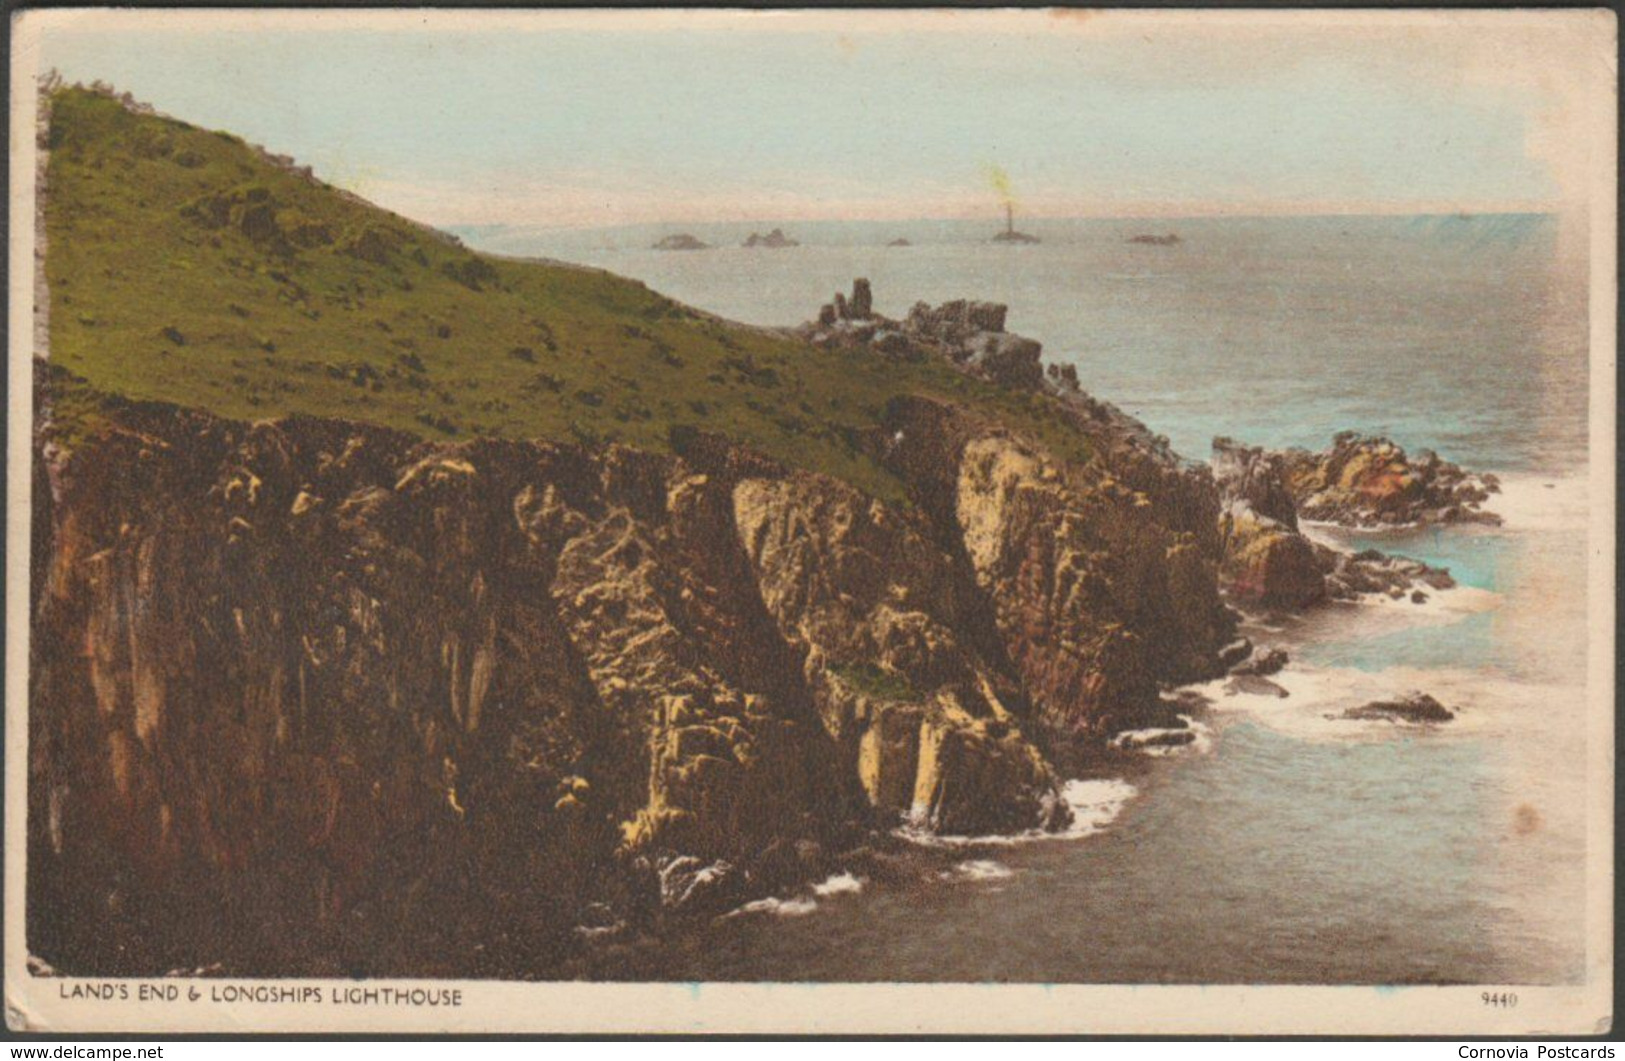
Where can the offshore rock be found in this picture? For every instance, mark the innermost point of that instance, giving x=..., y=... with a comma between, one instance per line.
x=1269, y=563
x=680, y=241
x=1251, y=476
x=773, y=240
x=1365, y=481
x=1415, y=708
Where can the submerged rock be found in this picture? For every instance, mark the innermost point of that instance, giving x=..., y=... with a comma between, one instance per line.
x=1253, y=685
x=1262, y=664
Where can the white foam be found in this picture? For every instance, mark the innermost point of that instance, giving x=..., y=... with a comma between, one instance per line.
x=1328, y=528
x=1094, y=804
x=596, y=931
x=1482, y=700
x=797, y=907
x=1543, y=502
x=1376, y=614
x=1442, y=605
x=979, y=869
x=839, y=884
x=1200, y=743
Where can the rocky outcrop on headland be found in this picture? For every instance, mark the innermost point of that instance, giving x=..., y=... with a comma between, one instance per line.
x=315, y=696
x=1366, y=481
x=968, y=334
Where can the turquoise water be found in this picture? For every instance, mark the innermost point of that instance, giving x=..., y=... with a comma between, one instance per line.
x=1286, y=847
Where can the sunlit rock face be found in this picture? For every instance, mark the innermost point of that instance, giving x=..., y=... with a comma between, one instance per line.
x=312, y=696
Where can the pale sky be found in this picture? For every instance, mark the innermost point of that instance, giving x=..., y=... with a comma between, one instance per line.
x=587, y=118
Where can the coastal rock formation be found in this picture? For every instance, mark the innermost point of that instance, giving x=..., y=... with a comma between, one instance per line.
x=1102, y=581
x=773, y=239
x=1365, y=481
x=1247, y=475
x=1262, y=663
x=1353, y=575
x=968, y=334
x=1269, y=562
x=1266, y=560
x=315, y=696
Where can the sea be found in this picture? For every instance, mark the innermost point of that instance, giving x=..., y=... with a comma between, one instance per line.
x=1283, y=846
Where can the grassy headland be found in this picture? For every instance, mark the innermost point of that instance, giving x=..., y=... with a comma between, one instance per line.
x=187, y=266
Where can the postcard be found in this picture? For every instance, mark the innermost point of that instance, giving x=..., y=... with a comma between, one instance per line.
x=860, y=521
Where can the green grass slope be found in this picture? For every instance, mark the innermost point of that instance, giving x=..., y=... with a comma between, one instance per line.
x=186, y=266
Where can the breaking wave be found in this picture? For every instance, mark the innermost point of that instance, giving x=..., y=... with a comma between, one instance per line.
x=1095, y=804
x=796, y=907
x=839, y=884
x=1159, y=741
x=978, y=869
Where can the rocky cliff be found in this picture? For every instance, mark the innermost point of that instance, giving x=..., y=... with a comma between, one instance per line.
x=1266, y=559
x=316, y=696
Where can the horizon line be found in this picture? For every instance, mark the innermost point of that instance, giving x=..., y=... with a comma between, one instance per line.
x=1546, y=210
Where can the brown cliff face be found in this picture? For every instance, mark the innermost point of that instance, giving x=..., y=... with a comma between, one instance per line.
x=309, y=696
x=1102, y=577
x=1267, y=561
